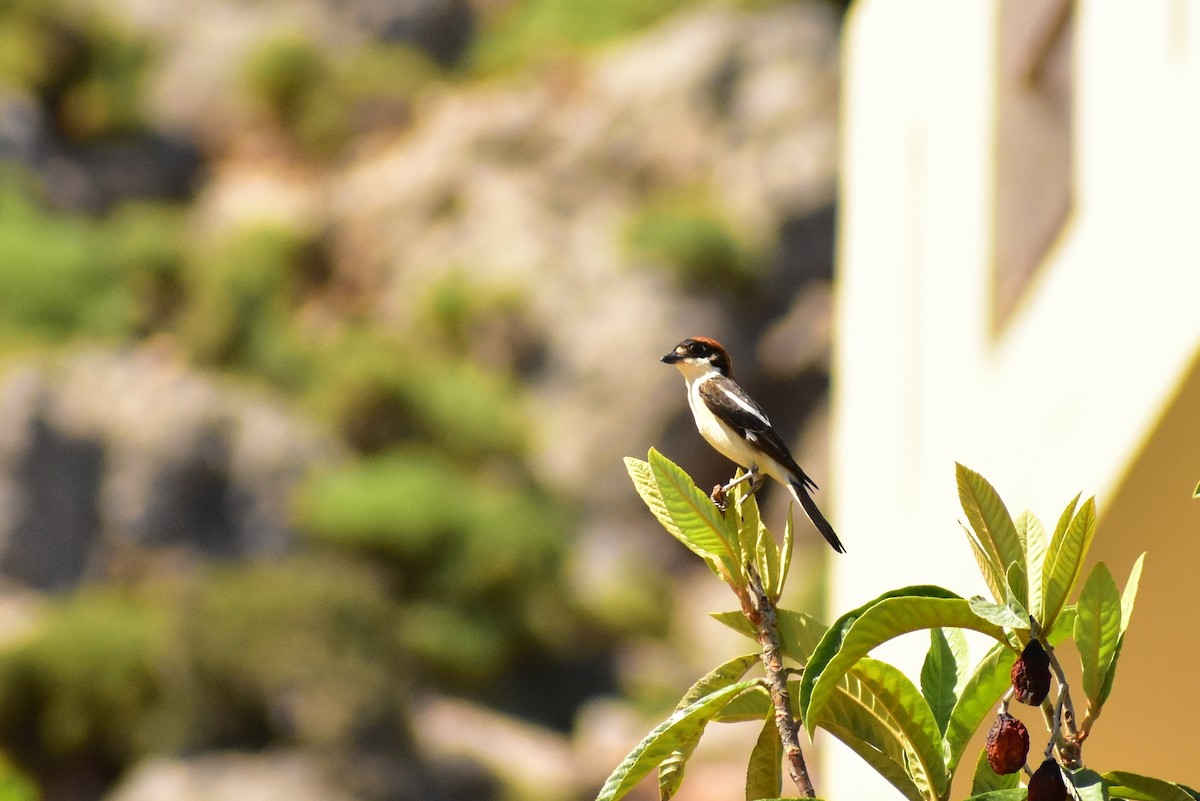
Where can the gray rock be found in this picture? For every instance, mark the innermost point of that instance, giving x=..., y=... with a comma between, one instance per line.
x=102, y=453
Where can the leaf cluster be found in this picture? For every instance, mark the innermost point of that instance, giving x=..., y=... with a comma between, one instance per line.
x=914, y=733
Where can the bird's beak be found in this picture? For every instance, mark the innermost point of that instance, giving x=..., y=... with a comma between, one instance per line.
x=671, y=358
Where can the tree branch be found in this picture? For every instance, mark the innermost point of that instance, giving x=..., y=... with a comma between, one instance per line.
x=762, y=615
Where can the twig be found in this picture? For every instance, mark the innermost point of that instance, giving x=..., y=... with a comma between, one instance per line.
x=763, y=617
x=1070, y=744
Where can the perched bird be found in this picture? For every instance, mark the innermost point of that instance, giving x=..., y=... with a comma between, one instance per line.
x=737, y=427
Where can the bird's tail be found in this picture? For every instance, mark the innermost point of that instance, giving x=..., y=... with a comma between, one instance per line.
x=802, y=496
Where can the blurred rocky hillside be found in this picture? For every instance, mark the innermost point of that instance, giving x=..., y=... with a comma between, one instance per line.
x=324, y=327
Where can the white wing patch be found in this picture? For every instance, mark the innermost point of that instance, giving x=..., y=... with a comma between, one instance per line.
x=733, y=396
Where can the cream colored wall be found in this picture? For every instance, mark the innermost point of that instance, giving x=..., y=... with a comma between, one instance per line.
x=1068, y=397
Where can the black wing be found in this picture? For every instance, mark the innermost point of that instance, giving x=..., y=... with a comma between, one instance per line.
x=728, y=401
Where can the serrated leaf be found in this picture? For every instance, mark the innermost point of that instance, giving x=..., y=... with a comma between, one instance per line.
x=992, y=576
x=671, y=769
x=854, y=716
x=857, y=632
x=986, y=780
x=1135, y=787
x=1064, y=520
x=1088, y=784
x=939, y=677
x=696, y=517
x=721, y=676
x=764, y=771
x=670, y=772
x=909, y=720
x=991, y=522
x=977, y=700
x=1034, y=535
x=1097, y=631
x=1064, y=560
x=670, y=735
x=647, y=487
x=1127, y=600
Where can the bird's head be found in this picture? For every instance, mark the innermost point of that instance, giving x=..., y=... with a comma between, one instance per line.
x=699, y=355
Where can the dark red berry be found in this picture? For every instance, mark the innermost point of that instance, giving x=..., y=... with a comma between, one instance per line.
x=1047, y=783
x=1007, y=744
x=1031, y=674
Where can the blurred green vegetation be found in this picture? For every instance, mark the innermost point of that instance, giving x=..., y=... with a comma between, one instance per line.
x=325, y=100
x=696, y=243
x=431, y=555
x=305, y=650
x=87, y=68
x=59, y=277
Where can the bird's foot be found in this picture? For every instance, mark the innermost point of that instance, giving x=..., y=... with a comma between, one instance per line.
x=719, y=498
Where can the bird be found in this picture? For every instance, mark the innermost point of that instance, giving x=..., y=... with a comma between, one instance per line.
x=736, y=426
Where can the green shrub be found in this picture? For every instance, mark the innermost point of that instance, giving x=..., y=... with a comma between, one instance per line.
x=323, y=100
x=695, y=243
x=305, y=650
x=57, y=274
x=239, y=299
x=85, y=682
x=376, y=393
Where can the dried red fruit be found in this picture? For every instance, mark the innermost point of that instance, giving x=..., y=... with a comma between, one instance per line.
x=1047, y=783
x=1007, y=744
x=1031, y=674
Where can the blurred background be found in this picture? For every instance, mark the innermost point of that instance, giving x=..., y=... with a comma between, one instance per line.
x=325, y=326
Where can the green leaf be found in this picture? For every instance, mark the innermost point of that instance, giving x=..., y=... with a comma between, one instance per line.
x=799, y=633
x=857, y=632
x=854, y=716
x=647, y=487
x=1064, y=560
x=1064, y=626
x=785, y=553
x=1018, y=794
x=992, y=524
x=767, y=558
x=992, y=575
x=907, y=718
x=672, y=734
x=1127, y=600
x=688, y=514
x=670, y=772
x=977, y=700
x=750, y=705
x=1031, y=531
x=1130, y=594
x=987, y=780
x=1133, y=787
x=720, y=676
x=1097, y=632
x=998, y=614
x=939, y=677
x=1088, y=784
x=747, y=521
x=764, y=771
x=1196, y=492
